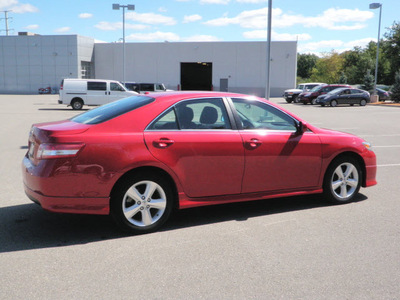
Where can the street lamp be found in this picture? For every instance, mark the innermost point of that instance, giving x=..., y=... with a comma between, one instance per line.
x=129, y=7
x=375, y=6
x=267, y=86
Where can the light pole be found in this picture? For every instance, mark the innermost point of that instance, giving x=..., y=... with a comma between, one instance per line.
x=375, y=6
x=267, y=86
x=129, y=7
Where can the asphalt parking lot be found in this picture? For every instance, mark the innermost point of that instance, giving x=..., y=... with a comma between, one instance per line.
x=291, y=248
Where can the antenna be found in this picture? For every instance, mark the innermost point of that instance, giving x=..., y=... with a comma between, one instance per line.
x=6, y=20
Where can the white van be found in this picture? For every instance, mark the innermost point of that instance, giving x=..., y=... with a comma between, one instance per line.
x=79, y=92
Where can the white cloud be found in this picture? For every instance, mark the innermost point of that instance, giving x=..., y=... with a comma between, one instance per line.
x=85, y=16
x=252, y=1
x=154, y=36
x=150, y=18
x=17, y=7
x=24, y=8
x=359, y=43
x=202, y=38
x=326, y=46
x=32, y=27
x=262, y=34
x=214, y=1
x=333, y=19
x=108, y=26
x=192, y=18
x=63, y=29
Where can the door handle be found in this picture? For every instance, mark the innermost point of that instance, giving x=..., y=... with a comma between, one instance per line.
x=253, y=143
x=163, y=143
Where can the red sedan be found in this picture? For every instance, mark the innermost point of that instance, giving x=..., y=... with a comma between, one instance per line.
x=141, y=157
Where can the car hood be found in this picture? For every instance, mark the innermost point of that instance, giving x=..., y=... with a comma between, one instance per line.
x=293, y=91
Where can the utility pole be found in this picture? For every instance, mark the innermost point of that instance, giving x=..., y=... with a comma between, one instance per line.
x=6, y=20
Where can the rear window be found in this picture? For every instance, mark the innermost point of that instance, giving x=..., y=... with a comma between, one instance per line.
x=111, y=110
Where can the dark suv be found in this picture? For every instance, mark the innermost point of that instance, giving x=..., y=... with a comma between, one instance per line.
x=311, y=96
x=145, y=87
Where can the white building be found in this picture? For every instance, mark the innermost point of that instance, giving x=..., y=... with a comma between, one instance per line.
x=29, y=62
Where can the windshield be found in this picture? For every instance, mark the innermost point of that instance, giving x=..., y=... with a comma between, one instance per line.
x=111, y=110
x=316, y=88
x=335, y=91
x=300, y=86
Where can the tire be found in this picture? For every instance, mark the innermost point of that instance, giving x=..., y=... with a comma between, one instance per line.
x=334, y=103
x=77, y=104
x=342, y=180
x=363, y=102
x=314, y=101
x=288, y=100
x=295, y=99
x=142, y=203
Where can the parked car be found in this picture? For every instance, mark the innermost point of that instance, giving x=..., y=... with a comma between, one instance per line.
x=344, y=96
x=140, y=157
x=311, y=96
x=383, y=95
x=291, y=95
x=79, y=92
x=145, y=87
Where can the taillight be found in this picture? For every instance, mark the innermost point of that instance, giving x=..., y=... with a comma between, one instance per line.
x=48, y=151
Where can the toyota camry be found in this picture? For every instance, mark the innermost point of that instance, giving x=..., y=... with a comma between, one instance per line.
x=142, y=157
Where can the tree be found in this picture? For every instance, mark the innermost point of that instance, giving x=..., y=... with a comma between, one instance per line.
x=343, y=78
x=356, y=63
x=369, y=81
x=328, y=68
x=396, y=88
x=305, y=64
x=391, y=50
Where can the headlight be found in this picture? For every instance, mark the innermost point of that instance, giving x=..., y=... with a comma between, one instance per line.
x=367, y=145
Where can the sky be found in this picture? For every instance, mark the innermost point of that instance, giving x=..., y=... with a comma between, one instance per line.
x=319, y=26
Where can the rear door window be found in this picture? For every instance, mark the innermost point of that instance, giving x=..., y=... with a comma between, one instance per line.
x=96, y=86
x=201, y=114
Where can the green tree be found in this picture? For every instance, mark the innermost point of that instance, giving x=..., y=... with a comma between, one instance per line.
x=328, y=68
x=369, y=82
x=305, y=64
x=391, y=51
x=396, y=87
x=356, y=64
x=343, y=78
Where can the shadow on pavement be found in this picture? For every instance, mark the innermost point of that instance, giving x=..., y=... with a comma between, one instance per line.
x=28, y=226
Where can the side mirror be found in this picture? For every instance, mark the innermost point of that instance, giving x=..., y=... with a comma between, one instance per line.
x=301, y=127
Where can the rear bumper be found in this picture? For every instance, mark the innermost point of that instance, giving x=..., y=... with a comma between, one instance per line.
x=92, y=206
x=37, y=182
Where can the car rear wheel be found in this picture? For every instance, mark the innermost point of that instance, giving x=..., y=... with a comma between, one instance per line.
x=142, y=203
x=342, y=180
x=363, y=102
x=334, y=103
x=77, y=104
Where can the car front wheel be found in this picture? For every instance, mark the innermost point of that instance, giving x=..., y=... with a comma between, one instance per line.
x=142, y=203
x=342, y=180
